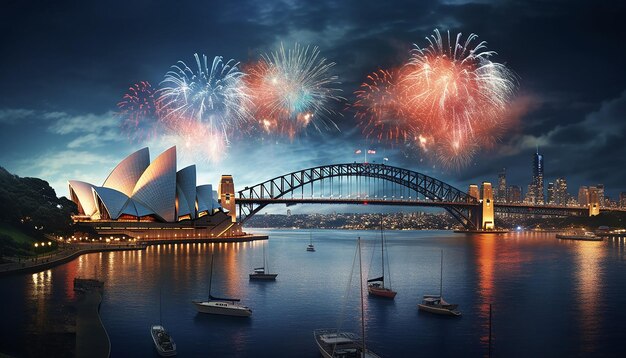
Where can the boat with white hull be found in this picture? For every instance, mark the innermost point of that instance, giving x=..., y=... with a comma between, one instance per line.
x=436, y=304
x=221, y=306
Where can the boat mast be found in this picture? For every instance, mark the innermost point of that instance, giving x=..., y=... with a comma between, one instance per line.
x=361, y=292
x=382, y=248
x=211, y=276
x=441, y=278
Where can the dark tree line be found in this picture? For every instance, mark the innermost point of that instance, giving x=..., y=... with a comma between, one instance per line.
x=31, y=206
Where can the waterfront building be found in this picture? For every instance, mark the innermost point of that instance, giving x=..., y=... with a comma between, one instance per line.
x=500, y=194
x=622, y=200
x=143, y=199
x=583, y=196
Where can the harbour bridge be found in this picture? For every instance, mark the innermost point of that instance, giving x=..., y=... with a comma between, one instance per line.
x=381, y=184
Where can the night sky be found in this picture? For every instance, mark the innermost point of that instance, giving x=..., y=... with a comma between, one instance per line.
x=66, y=64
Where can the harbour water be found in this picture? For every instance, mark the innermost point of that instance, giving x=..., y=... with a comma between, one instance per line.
x=549, y=298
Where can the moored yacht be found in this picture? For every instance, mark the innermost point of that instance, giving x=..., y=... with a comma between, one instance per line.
x=227, y=307
x=163, y=342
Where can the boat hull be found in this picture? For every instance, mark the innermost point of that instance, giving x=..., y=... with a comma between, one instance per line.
x=578, y=237
x=439, y=310
x=263, y=276
x=162, y=348
x=381, y=292
x=222, y=308
x=334, y=344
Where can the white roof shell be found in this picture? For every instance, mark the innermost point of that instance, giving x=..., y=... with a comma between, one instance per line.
x=113, y=200
x=186, y=188
x=156, y=188
x=84, y=195
x=126, y=174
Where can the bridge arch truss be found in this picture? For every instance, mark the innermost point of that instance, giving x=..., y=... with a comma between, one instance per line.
x=435, y=192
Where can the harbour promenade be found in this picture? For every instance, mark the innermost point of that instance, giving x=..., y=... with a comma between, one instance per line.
x=74, y=250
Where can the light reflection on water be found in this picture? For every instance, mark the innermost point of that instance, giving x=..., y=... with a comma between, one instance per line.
x=542, y=290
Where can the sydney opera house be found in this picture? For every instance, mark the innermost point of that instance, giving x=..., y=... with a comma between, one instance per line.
x=150, y=200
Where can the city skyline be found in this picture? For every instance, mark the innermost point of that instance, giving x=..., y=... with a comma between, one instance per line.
x=57, y=119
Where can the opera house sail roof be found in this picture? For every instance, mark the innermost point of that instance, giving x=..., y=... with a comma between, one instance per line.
x=138, y=189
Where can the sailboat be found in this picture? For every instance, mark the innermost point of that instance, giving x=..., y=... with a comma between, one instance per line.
x=435, y=303
x=333, y=343
x=221, y=306
x=310, y=247
x=260, y=273
x=163, y=342
x=376, y=286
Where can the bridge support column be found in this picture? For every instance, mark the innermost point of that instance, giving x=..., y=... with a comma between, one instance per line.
x=226, y=194
x=594, y=201
x=488, y=215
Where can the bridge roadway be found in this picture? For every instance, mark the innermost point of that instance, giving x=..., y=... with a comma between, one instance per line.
x=553, y=210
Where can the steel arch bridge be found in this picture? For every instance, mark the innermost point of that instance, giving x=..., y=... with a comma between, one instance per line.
x=433, y=192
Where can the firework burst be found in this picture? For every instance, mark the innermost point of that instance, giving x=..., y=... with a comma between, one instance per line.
x=458, y=95
x=138, y=112
x=213, y=95
x=292, y=89
x=379, y=107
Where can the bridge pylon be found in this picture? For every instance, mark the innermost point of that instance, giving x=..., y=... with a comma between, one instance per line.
x=226, y=194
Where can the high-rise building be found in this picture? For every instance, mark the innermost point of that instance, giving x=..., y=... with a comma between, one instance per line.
x=600, y=188
x=622, y=200
x=583, y=196
x=537, y=180
x=501, y=189
x=551, y=194
x=514, y=194
x=531, y=193
x=561, y=195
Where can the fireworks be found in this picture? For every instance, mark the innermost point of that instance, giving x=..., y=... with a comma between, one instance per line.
x=456, y=93
x=450, y=99
x=214, y=95
x=292, y=89
x=138, y=111
x=379, y=107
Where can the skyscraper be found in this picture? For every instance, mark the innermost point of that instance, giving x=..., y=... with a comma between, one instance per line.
x=561, y=196
x=583, y=196
x=537, y=180
x=514, y=194
x=622, y=200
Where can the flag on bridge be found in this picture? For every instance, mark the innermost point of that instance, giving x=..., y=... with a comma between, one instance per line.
x=370, y=151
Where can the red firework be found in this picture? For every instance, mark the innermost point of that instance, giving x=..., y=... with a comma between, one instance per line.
x=380, y=110
x=138, y=111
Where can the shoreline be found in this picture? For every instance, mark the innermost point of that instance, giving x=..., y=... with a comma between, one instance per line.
x=35, y=265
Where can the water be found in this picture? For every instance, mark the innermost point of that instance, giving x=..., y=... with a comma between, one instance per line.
x=550, y=298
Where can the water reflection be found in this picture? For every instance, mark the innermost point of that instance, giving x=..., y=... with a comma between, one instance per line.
x=589, y=277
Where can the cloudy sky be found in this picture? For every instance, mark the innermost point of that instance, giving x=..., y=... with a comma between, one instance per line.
x=66, y=64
